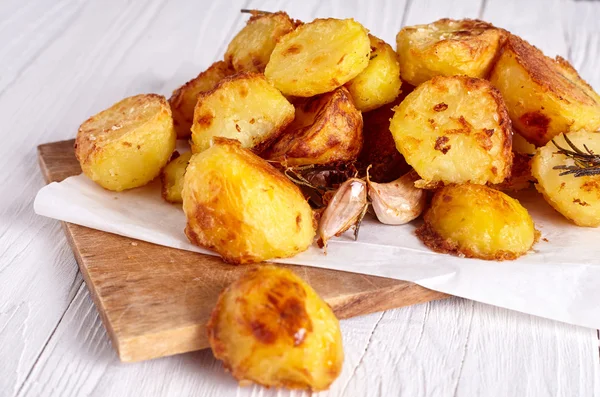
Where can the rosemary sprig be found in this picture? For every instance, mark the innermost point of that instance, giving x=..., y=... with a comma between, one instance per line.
x=586, y=162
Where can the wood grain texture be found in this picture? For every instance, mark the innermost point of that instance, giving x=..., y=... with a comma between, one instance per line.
x=155, y=301
x=64, y=60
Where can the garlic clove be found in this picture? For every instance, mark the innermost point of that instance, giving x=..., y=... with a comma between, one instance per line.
x=397, y=202
x=346, y=208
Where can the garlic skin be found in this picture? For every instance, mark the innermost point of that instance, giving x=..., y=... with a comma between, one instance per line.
x=346, y=208
x=397, y=202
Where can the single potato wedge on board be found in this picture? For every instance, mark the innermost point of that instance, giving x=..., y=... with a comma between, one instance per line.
x=244, y=107
x=318, y=57
x=183, y=101
x=447, y=48
x=238, y=205
x=271, y=328
x=126, y=145
x=171, y=177
x=476, y=221
x=380, y=82
x=251, y=48
x=544, y=97
x=454, y=130
x=576, y=197
x=327, y=129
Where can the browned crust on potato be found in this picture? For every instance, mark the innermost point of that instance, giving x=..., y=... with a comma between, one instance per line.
x=333, y=107
x=547, y=73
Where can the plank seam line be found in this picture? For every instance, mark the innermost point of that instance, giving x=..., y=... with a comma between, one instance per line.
x=35, y=363
x=462, y=360
x=405, y=13
x=52, y=40
x=482, y=9
x=362, y=357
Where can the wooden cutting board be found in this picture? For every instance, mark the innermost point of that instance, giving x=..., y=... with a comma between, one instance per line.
x=155, y=301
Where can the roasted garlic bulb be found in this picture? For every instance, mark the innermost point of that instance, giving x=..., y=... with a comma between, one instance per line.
x=271, y=328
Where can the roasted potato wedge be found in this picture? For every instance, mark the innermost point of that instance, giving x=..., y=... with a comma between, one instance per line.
x=476, y=221
x=243, y=107
x=183, y=100
x=126, y=145
x=447, y=48
x=380, y=82
x=327, y=129
x=544, y=97
x=318, y=57
x=171, y=177
x=251, y=48
x=454, y=130
x=238, y=205
x=271, y=328
x=379, y=149
x=576, y=197
x=520, y=145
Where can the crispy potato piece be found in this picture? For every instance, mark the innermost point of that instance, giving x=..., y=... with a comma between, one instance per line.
x=270, y=327
x=327, y=129
x=171, y=177
x=477, y=222
x=380, y=82
x=577, y=198
x=520, y=174
x=318, y=57
x=238, y=205
x=251, y=48
x=447, y=48
x=379, y=149
x=544, y=97
x=520, y=145
x=243, y=107
x=126, y=145
x=454, y=130
x=183, y=100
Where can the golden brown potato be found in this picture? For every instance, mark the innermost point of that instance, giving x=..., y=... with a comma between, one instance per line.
x=238, y=205
x=327, y=129
x=476, y=221
x=183, y=100
x=454, y=130
x=271, y=328
x=544, y=97
x=520, y=145
x=171, y=177
x=447, y=48
x=318, y=57
x=243, y=107
x=379, y=149
x=380, y=82
x=576, y=197
x=251, y=48
x=520, y=174
x=126, y=145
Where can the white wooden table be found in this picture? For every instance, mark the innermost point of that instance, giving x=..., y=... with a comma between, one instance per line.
x=63, y=60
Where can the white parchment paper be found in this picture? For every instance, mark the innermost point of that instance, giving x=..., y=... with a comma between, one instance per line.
x=559, y=280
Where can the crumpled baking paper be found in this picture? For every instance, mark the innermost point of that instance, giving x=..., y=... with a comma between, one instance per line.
x=559, y=280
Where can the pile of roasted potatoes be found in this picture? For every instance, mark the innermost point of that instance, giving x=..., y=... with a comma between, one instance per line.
x=303, y=128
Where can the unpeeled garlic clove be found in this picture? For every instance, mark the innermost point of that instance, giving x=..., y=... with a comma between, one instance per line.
x=397, y=202
x=346, y=208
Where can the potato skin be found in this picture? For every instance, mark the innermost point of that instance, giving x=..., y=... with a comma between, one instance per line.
x=544, y=97
x=243, y=107
x=379, y=149
x=250, y=49
x=171, y=177
x=327, y=129
x=126, y=145
x=448, y=47
x=454, y=130
x=238, y=205
x=271, y=328
x=183, y=100
x=318, y=57
x=577, y=198
x=476, y=221
x=380, y=82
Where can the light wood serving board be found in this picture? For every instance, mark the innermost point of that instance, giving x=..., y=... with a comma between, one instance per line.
x=155, y=301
